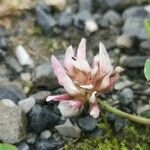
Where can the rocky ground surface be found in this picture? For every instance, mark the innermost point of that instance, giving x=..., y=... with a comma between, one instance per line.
x=33, y=30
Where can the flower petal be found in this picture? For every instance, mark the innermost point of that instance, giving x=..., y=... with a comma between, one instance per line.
x=105, y=82
x=104, y=60
x=93, y=97
x=81, y=51
x=58, y=69
x=75, y=104
x=68, y=63
x=82, y=65
x=58, y=97
x=94, y=71
x=94, y=110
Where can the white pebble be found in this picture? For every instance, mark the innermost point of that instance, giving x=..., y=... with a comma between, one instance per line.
x=91, y=26
x=23, y=57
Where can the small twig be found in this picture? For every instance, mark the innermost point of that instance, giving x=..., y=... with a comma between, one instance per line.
x=134, y=118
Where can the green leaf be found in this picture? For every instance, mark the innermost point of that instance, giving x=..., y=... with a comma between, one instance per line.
x=147, y=26
x=147, y=69
x=7, y=147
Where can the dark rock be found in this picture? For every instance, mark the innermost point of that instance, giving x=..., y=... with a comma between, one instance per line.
x=65, y=20
x=3, y=32
x=11, y=92
x=41, y=96
x=44, y=7
x=111, y=118
x=133, y=61
x=3, y=43
x=145, y=47
x=50, y=144
x=112, y=17
x=98, y=133
x=119, y=124
x=85, y=5
x=45, y=134
x=126, y=96
x=13, y=64
x=87, y=123
x=126, y=109
x=44, y=20
x=134, y=27
x=41, y=118
x=136, y=11
x=23, y=146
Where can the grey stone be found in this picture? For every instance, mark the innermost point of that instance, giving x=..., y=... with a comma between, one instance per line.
x=42, y=118
x=44, y=20
x=112, y=17
x=50, y=144
x=23, y=146
x=87, y=123
x=12, y=122
x=124, y=41
x=134, y=27
x=31, y=138
x=98, y=133
x=12, y=92
x=135, y=11
x=119, y=124
x=143, y=108
x=145, y=47
x=68, y=129
x=27, y=104
x=45, y=134
x=13, y=64
x=123, y=84
x=126, y=96
x=133, y=61
x=44, y=76
x=3, y=43
x=85, y=5
x=65, y=20
x=41, y=96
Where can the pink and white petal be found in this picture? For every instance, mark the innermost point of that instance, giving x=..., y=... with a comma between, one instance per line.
x=82, y=65
x=75, y=104
x=94, y=71
x=93, y=97
x=68, y=63
x=113, y=80
x=96, y=60
x=94, y=110
x=58, y=97
x=69, y=86
x=104, y=60
x=58, y=69
x=81, y=51
x=105, y=82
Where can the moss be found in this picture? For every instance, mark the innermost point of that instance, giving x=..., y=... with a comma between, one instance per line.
x=133, y=136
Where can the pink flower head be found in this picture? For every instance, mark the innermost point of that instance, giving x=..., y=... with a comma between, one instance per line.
x=81, y=81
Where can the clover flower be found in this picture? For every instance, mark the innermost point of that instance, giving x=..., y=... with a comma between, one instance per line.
x=81, y=81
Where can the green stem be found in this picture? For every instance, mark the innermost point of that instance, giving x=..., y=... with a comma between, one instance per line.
x=134, y=118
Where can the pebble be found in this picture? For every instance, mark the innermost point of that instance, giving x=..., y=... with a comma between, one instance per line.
x=85, y=5
x=143, y=108
x=124, y=41
x=13, y=64
x=87, y=123
x=3, y=43
x=23, y=146
x=91, y=26
x=111, y=118
x=23, y=56
x=145, y=47
x=41, y=118
x=25, y=77
x=68, y=129
x=123, y=84
x=66, y=111
x=40, y=97
x=27, y=104
x=126, y=96
x=65, y=20
x=11, y=92
x=112, y=17
x=44, y=20
x=45, y=134
x=119, y=124
x=49, y=144
x=31, y=138
x=13, y=122
x=133, y=61
x=98, y=133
